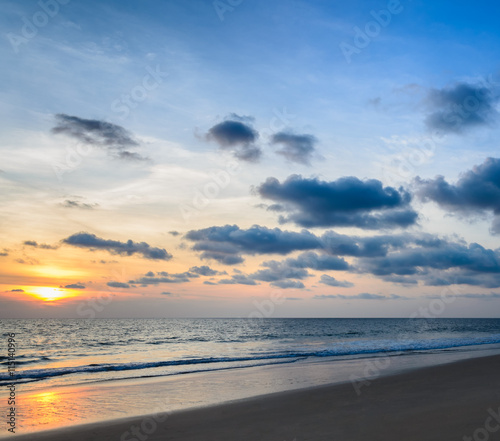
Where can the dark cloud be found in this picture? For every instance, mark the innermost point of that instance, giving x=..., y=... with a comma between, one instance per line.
x=167, y=293
x=361, y=296
x=460, y=107
x=331, y=281
x=461, y=277
x=113, y=284
x=157, y=280
x=76, y=286
x=318, y=262
x=238, y=136
x=184, y=275
x=111, y=137
x=75, y=204
x=91, y=241
x=205, y=270
x=17, y=290
x=488, y=296
x=174, y=233
x=346, y=202
x=130, y=156
x=238, y=279
x=448, y=263
x=150, y=278
x=278, y=271
x=4, y=254
x=285, y=284
x=406, y=259
x=226, y=244
x=295, y=148
x=34, y=244
x=476, y=191
x=410, y=261
x=344, y=245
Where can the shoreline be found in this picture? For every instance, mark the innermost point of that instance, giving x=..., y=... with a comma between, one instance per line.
x=447, y=401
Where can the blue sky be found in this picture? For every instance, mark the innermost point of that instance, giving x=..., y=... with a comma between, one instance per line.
x=118, y=115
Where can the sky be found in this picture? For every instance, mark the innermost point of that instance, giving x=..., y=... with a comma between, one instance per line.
x=238, y=158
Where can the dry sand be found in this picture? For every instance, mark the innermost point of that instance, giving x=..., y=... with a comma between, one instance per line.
x=447, y=402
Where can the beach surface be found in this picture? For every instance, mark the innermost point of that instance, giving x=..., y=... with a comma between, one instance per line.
x=455, y=401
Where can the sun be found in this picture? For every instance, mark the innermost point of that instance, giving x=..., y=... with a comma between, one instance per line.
x=49, y=294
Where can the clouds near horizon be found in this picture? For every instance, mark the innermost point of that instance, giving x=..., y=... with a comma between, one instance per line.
x=129, y=248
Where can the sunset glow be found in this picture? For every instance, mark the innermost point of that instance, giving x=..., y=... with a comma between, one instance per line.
x=195, y=170
x=49, y=294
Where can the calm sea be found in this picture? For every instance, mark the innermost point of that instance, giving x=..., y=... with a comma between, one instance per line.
x=78, y=351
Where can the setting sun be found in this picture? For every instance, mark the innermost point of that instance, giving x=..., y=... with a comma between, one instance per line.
x=49, y=294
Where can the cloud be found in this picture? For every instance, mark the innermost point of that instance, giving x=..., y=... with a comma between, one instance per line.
x=111, y=137
x=157, y=280
x=205, y=270
x=4, y=254
x=238, y=136
x=150, y=278
x=315, y=261
x=76, y=286
x=439, y=264
x=184, y=275
x=344, y=245
x=460, y=107
x=489, y=296
x=167, y=293
x=226, y=244
x=346, y=202
x=238, y=279
x=44, y=246
x=91, y=241
x=75, y=204
x=278, y=271
x=295, y=148
x=113, y=284
x=406, y=259
x=331, y=281
x=285, y=284
x=361, y=296
x=17, y=290
x=174, y=233
x=476, y=191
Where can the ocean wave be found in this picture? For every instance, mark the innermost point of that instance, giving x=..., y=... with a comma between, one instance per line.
x=340, y=349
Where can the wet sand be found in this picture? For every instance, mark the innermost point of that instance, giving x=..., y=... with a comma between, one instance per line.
x=455, y=401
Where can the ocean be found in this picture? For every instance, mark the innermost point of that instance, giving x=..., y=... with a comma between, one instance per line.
x=204, y=361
